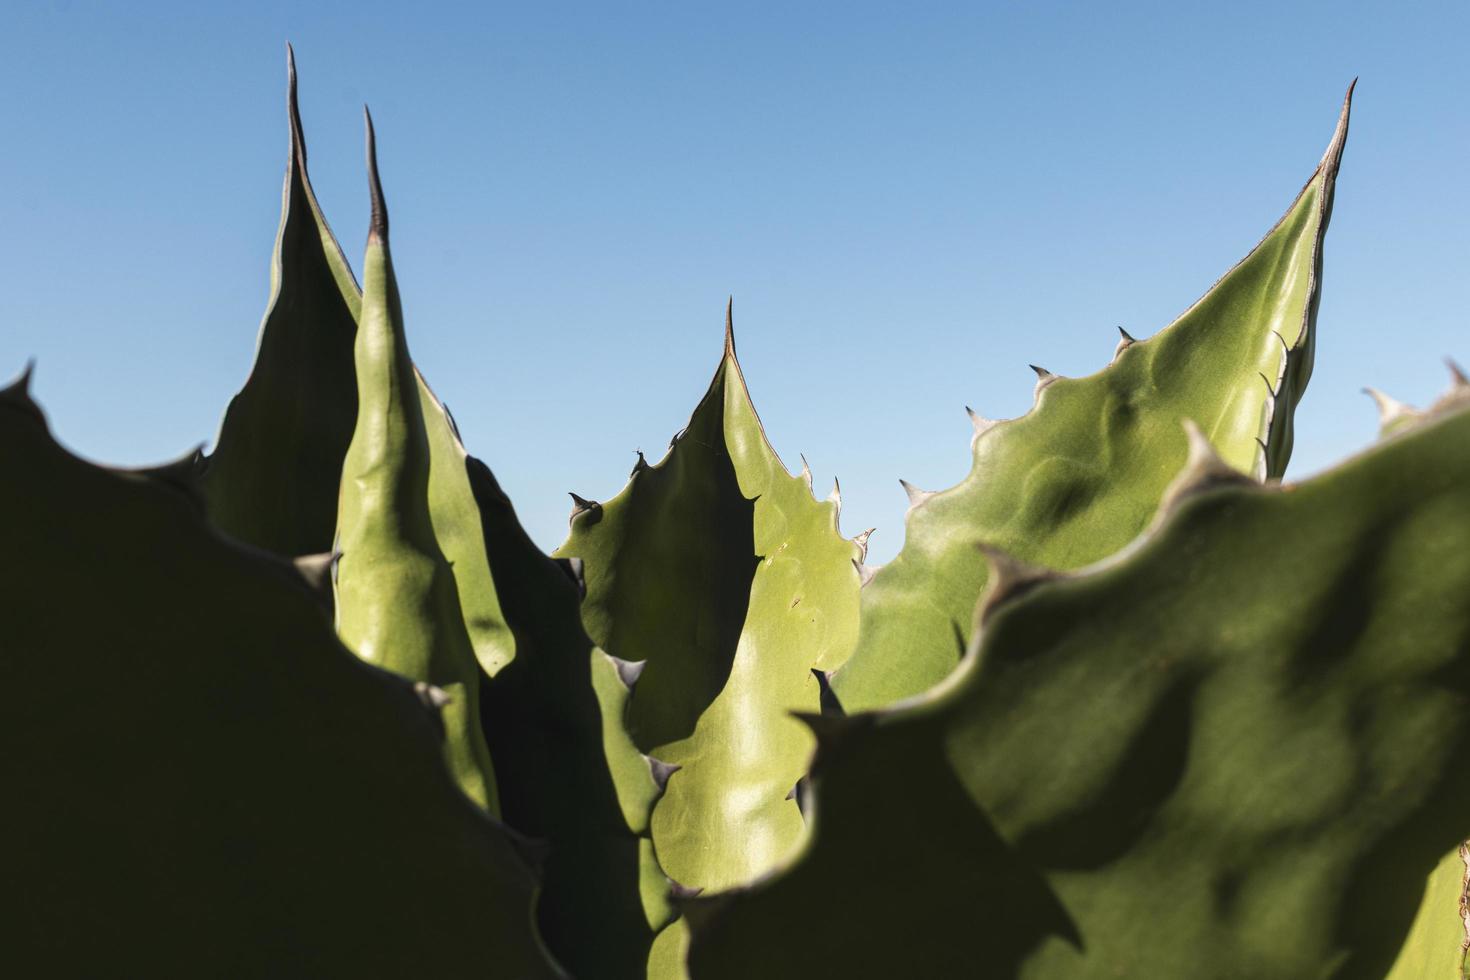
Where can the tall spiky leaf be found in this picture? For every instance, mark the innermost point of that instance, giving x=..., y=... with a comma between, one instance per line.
x=718, y=568
x=1186, y=761
x=199, y=778
x=397, y=604
x=1080, y=475
x=272, y=478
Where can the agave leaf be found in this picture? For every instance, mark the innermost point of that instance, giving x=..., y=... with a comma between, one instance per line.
x=1079, y=476
x=567, y=771
x=204, y=780
x=1186, y=761
x=396, y=601
x=272, y=480
x=1439, y=942
x=718, y=568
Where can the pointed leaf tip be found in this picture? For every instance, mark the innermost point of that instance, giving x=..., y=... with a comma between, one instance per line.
x=1332, y=158
x=862, y=542
x=378, y=226
x=730, y=326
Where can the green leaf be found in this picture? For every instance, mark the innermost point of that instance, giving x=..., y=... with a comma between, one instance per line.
x=199, y=778
x=1439, y=942
x=272, y=478
x=718, y=568
x=397, y=605
x=567, y=771
x=1235, y=750
x=1079, y=476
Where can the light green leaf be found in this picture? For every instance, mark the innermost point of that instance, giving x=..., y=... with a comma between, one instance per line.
x=396, y=601
x=1187, y=761
x=718, y=568
x=273, y=478
x=1079, y=476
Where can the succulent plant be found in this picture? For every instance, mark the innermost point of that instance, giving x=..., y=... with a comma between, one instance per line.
x=1123, y=705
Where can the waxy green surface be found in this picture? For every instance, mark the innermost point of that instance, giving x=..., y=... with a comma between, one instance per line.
x=204, y=780
x=397, y=604
x=1439, y=942
x=567, y=771
x=1186, y=761
x=718, y=568
x=1079, y=476
x=273, y=478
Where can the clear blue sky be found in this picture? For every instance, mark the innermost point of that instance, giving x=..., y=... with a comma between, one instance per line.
x=908, y=202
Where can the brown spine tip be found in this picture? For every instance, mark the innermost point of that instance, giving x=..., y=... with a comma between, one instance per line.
x=730, y=327
x=378, y=227
x=1333, y=157
x=293, y=111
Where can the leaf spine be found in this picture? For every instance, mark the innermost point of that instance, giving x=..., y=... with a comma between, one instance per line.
x=378, y=225
x=730, y=327
x=1390, y=410
x=628, y=670
x=1125, y=341
x=916, y=496
x=661, y=771
x=1009, y=578
x=1203, y=470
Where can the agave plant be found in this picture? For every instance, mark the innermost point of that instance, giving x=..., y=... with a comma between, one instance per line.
x=1124, y=705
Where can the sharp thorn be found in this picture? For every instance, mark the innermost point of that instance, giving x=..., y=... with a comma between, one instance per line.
x=1457, y=374
x=628, y=670
x=865, y=572
x=730, y=326
x=581, y=505
x=916, y=496
x=1009, y=578
x=661, y=771
x=1390, y=410
x=378, y=226
x=1203, y=470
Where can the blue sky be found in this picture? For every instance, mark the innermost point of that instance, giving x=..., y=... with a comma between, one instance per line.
x=909, y=206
